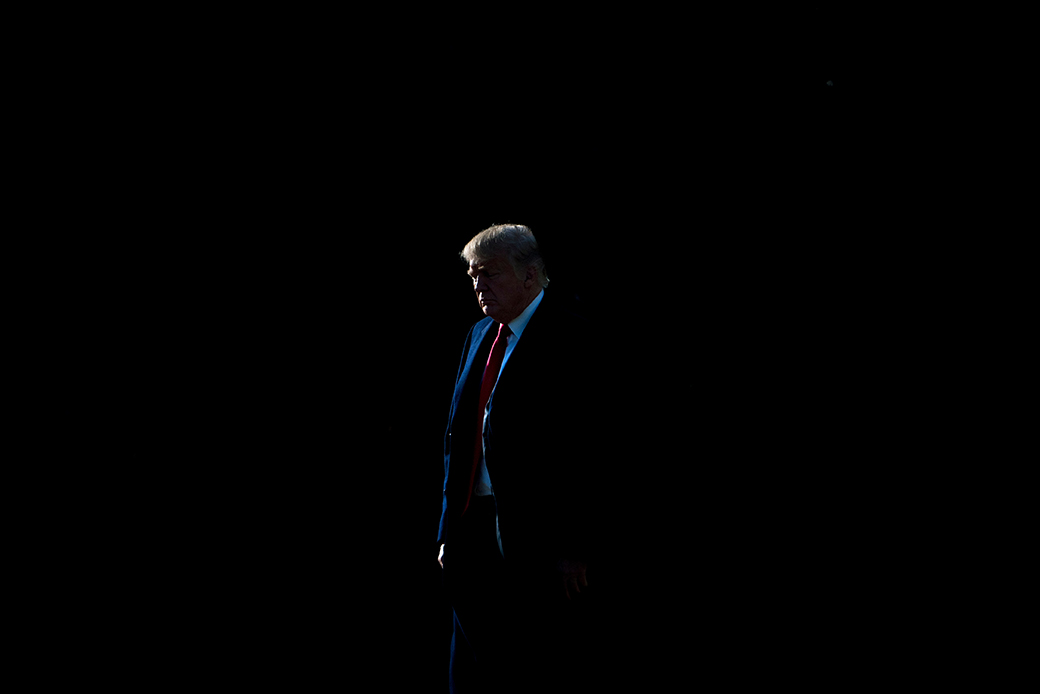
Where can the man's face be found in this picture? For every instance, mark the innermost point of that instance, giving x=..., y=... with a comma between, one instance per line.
x=500, y=293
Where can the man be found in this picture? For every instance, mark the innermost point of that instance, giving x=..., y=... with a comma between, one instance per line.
x=515, y=524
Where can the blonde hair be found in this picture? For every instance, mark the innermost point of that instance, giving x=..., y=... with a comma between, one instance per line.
x=514, y=242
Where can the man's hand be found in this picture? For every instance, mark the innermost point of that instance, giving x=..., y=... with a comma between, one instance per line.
x=573, y=574
x=440, y=557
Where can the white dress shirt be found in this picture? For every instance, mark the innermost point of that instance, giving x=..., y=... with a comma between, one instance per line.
x=517, y=325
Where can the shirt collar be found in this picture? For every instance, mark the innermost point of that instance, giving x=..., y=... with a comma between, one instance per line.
x=518, y=324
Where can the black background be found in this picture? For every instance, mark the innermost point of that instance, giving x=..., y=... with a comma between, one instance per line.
x=705, y=193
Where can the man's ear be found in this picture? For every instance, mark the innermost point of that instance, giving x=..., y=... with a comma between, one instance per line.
x=531, y=277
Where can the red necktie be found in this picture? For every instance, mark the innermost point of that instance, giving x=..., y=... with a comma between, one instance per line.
x=494, y=364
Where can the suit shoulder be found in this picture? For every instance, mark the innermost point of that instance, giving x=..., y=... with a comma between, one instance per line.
x=567, y=317
x=481, y=325
x=565, y=307
x=477, y=331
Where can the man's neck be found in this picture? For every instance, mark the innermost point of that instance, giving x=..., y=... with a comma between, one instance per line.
x=518, y=324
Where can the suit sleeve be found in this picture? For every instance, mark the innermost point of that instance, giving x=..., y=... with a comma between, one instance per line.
x=442, y=531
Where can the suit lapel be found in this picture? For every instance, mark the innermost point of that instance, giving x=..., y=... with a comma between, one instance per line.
x=479, y=348
x=469, y=386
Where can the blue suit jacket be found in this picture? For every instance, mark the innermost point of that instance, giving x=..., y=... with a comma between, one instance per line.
x=542, y=438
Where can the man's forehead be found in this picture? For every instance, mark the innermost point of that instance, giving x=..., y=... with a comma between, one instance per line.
x=484, y=265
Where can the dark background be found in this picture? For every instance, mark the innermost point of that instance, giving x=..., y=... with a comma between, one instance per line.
x=703, y=192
